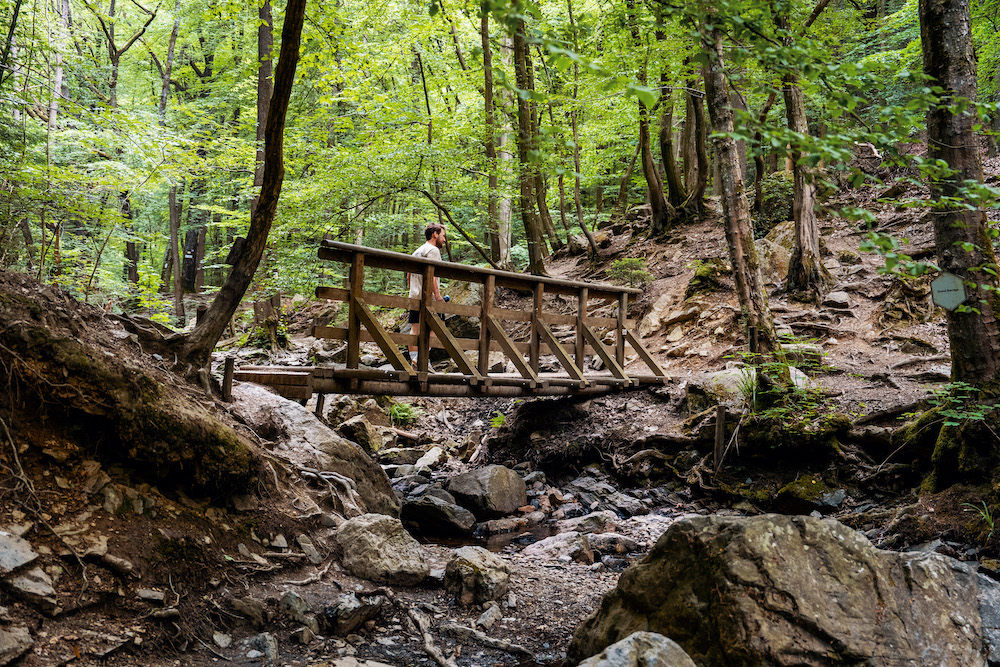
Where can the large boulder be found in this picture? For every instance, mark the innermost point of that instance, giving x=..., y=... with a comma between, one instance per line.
x=377, y=547
x=564, y=547
x=303, y=439
x=641, y=649
x=15, y=641
x=783, y=590
x=358, y=429
x=431, y=515
x=474, y=576
x=489, y=492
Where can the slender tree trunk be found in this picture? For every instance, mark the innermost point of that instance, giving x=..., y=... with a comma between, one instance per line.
x=576, y=136
x=175, y=254
x=265, y=88
x=806, y=272
x=539, y=186
x=622, y=202
x=675, y=187
x=532, y=226
x=199, y=344
x=960, y=233
x=697, y=193
x=736, y=211
x=489, y=139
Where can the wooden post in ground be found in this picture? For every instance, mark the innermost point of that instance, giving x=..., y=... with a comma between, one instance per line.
x=424, y=336
x=357, y=286
x=583, y=295
x=620, y=331
x=320, y=404
x=720, y=436
x=227, y=379
x=489, y=287
x=534, y=346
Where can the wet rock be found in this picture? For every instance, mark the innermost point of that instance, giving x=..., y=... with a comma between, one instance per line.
x=612, y=543
x=776, y=589
x=489, y=492
x=625, y=504
x=590, y=489
x=430, y=515
x=15, y=552
x=641, y=649
x=604, y=521
x=303, y=437
x=15, y=641
x=377, y=547
x=501, y=526
x=565, y=547
x=358, y=429
x=35, y=587
x=809, y=493
x=474, y=576
x=349, y=612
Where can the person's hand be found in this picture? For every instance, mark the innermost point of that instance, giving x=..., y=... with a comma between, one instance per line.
x=446, y=298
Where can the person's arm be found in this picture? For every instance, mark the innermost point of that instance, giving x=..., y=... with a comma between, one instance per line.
x=437, y=290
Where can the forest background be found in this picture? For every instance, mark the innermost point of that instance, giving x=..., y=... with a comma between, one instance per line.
x=132, y=132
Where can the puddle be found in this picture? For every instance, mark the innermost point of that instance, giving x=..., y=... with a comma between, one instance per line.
x=494, y=543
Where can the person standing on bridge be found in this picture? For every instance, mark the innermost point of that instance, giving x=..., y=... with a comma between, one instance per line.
x=431, y=249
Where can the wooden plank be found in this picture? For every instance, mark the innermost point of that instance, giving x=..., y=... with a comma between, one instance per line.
x=583, y=295
x=606, y=355
x=486, y=309
x=333, y=293
x=385, y=343
x=357, y=282
x=274, y=378
x=423, y=335
x=451, y=346
x=386, y=259
x=511, y=350
x=301, y=393
x=545, y=333
x=643, y=353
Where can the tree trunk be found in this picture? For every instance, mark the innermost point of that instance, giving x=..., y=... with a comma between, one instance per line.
x=949, y=59
x=576, y=136
x=200, y=343
x=489, y=139
x=175, y=254
x=621, y=203
x=265, y=87
x=697, y=193
x=540, y=187
x=675, y=187
x=532, y=226
x=750, y=290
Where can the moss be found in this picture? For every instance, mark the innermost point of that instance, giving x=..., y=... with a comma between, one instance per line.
x=809, y=488
x=706, y=277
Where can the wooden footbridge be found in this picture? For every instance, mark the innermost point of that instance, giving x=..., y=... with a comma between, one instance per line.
x=607, y=337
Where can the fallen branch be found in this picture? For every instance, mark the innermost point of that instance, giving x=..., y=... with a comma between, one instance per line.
x=313, y=578
x=463, y=632
x=420, y=622
x=890, y=413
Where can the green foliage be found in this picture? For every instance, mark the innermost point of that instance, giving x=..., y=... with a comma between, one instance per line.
x=985, y=514
x=957, y=403
x=498, y=420
x=404, y=414
x=776, y=204
x=631, y=271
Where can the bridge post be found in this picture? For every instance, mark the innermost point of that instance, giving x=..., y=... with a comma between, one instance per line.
x=357, y=288
x=534, y=342
x=583, y=295
x=424, y=336
x=489, y=288
x=620, y=329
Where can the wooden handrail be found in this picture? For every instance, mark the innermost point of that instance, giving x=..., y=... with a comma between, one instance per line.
x=397, y=261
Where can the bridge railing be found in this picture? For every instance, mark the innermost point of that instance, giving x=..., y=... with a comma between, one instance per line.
x=363, y=326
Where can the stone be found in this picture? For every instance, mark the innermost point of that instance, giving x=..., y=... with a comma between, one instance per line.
x=294, y=605
x=96, y=478
x=489, y=492
x=400, y=455
x=305, y=440
x=783, y=590
x=309, y=549
x=15, y=641
x=596, y=522
x=535, y=477
x=377, y=547
x=838, y=301
x=112, y=498
x=565, y=547
x=267, y=646
x=773, y=260
x=430, y=515
x=279, y=542
x=251, y=609
x=349, y=612
x=303, y=635
x=35, y=587
x=783, y=234
x=612, y=543
x=641, y=649
x=434, y=457
x=358, y=429
x=15, y=552
x=489, y=618
x=474, y=576
x=222, y=640
x=625, y=504
x=149, y=595
x=729, y=386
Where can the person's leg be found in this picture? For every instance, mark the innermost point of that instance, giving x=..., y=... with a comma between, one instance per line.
x=414, y=320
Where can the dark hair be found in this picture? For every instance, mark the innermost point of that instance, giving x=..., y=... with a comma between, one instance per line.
x=432, y=229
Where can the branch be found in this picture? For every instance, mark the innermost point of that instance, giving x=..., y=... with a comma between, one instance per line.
x=152, y=15
x=461, y=231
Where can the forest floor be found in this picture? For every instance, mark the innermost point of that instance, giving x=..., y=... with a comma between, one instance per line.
x=158, y=576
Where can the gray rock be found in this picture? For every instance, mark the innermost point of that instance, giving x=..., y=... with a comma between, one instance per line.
x=474, y=576
x=308, y=549
x=489, y=618
x=303, y=635
x=837, y=301
x=96, y=478
x=989, y=611
x=149, y=595
x=15, y=641
x=267, y=645
x=596, y=522
x=625, y=504
x=294, y=605
x=430, y=515
x=349, y=612
x=113, y=498
x=434, y=457
x=358, y=429
x=279, y=542
x=35, y=587
x=250, y=608
x=781, y=590
x=15, y=552
x=490, y=492
x=609, y=544
x=400, y=455
x=641, y=649
x=377, y=547
x=303, y=438
x=222, y=640
x=565, y=547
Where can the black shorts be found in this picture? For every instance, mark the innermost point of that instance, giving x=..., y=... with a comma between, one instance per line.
x=414, y=317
